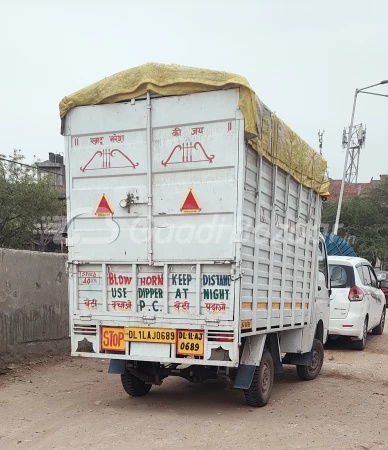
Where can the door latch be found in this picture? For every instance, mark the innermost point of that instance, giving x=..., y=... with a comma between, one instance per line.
x=130, y=200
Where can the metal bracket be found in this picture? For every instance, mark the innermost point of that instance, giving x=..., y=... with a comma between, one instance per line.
x=273, y=345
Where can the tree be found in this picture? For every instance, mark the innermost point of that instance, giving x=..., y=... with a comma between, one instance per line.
x=24, y=202
x=363, y=222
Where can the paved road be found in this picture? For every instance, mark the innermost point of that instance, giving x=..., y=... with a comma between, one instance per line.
x=75, y=404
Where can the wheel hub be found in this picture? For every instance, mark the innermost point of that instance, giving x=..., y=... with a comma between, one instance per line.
x=265, y=383
x=315, y=360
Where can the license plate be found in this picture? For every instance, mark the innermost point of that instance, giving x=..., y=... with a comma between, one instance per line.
x=190, y=342
x=155, y=335
x=112, y=339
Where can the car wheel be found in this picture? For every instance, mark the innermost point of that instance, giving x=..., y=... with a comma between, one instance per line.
x=380, y=327
x=359, y=344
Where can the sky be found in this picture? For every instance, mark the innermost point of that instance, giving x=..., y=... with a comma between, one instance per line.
x=304, y=59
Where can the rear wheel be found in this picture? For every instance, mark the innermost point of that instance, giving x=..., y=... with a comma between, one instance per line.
x=134, y=386
x=380, y=327
x=333, y=337
x=359, y=344
x=260, y=390
x=308, y=373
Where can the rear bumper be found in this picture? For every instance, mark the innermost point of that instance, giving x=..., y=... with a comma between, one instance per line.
x=352, y=326
x=185, y=361
x=107, y=341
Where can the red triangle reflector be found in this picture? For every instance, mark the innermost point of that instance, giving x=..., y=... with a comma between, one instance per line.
x=190, y=203
x=103, y=208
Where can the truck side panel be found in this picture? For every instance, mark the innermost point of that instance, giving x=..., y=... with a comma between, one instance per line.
x=280, y=235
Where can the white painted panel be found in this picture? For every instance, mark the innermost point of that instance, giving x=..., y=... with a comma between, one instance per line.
x=195, y=109
x=192, y=149
x=193, y=237
x=111, y=163
x=149, y=349
x=86, y=120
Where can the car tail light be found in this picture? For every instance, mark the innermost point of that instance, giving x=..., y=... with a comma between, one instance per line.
x=356, y=294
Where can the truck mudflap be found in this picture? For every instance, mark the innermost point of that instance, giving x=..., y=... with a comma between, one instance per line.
x=244, y=376
x=298, y=359
x=251, y=357
x=117, y=366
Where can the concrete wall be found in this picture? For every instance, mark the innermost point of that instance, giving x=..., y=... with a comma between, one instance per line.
x=33, y=305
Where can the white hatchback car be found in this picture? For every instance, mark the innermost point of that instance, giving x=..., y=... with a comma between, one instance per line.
x=357, y=304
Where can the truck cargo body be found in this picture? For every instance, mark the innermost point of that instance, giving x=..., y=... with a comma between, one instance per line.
x=183, y=241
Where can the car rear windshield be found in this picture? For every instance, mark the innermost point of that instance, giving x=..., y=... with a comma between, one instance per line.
x=341, y=276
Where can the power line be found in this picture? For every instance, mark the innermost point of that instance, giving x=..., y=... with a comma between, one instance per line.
x=31, y=167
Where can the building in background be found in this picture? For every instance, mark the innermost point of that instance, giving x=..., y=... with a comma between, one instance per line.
x=48, y=235
x=54, y=165
x=352, y=190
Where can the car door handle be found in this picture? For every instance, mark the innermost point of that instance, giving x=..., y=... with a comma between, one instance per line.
x=319, y=288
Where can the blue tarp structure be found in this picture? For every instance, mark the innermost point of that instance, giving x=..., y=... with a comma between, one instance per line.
x=337, y=246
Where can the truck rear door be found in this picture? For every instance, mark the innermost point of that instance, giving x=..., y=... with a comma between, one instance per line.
x=152, y=202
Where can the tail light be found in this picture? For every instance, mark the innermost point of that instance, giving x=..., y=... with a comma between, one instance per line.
x=356, y=294
x=223, y=338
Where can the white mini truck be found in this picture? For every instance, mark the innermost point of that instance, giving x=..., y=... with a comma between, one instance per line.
x=191, y=253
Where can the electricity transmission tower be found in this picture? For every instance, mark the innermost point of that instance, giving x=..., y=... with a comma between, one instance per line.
x=320, y=140
x=357, y=141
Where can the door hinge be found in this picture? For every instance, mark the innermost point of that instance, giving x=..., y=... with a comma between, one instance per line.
x=149, y=319
x=85, y=317
x=214, y=322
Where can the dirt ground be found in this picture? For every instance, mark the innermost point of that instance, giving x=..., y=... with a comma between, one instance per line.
x=75, y=404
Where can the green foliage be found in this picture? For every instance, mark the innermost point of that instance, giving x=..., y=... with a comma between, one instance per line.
x=363, y=222
x=24, y=202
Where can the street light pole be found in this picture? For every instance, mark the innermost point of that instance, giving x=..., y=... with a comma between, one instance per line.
x=362, y=91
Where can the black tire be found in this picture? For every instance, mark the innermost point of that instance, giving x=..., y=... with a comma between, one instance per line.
x=308, y=373
x=259, y=393
x=133, y=386
x=333, y=337
x=380, y=327
x=359, y=344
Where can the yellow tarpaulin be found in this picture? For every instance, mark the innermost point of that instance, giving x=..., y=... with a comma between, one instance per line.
x=268, y=135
